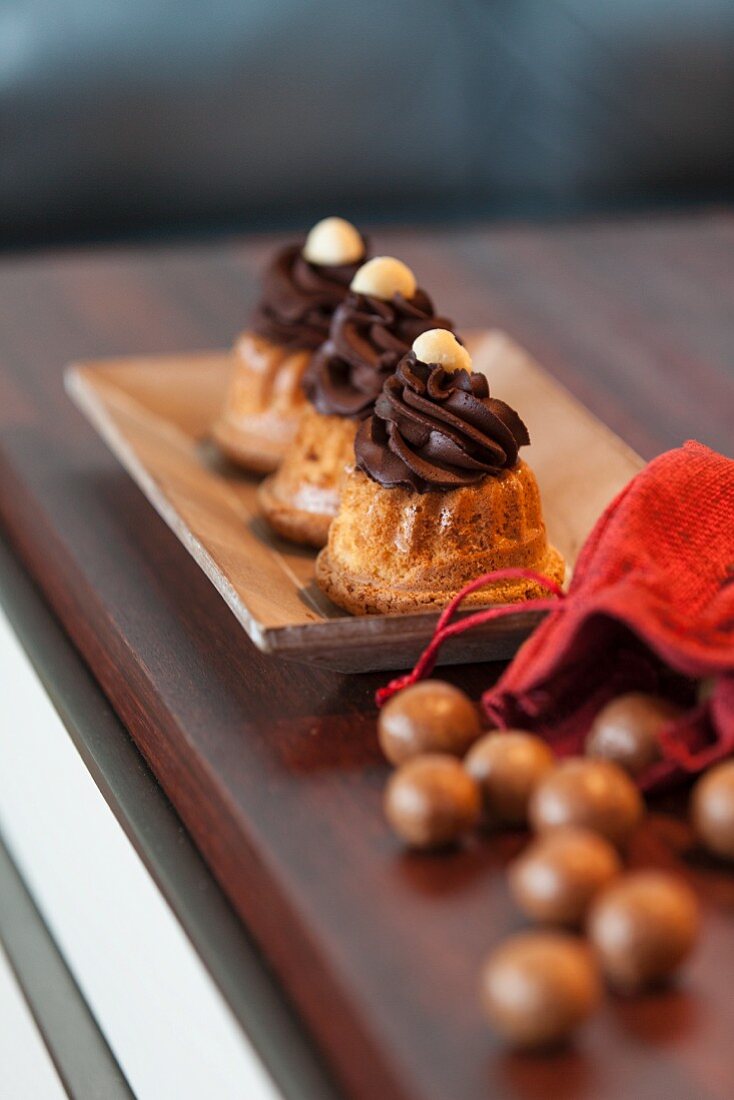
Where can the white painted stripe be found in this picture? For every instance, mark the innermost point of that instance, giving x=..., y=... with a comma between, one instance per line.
x=164, y=1018
x=26, y=1070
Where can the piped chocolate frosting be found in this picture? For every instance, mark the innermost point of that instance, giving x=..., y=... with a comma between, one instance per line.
x=367, y=340
x=299, y=298
x=434, y=429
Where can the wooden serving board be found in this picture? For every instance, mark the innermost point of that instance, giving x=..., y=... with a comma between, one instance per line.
x=156, y=415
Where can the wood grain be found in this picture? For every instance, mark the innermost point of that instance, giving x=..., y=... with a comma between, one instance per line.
x=156, y=416
x=273, y=767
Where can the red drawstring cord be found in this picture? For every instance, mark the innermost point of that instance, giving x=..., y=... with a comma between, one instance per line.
x=445, y=629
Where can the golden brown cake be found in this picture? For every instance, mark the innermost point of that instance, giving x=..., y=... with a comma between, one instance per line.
x=264, y=403
x=301, y=500
x=439, y=495
x=370, y=332
x=395, y=550
x=302, y=287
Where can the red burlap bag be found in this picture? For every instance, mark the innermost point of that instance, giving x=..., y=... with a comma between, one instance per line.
x=650, y=608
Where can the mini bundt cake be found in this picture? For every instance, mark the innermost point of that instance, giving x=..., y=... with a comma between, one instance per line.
x=438, y=496
x=301, y=499
x=302, y=288
x=370, y=332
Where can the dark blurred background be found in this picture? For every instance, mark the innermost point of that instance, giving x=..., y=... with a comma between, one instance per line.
x=141, y=117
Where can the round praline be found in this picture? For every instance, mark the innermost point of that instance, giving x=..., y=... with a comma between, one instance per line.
x=642, y=929
x=536, y=988
x=626, y=731
x=594, y=794
x=431, y=801
x=557, y=877
x=508, y=766
x=713, y=809
x=432, y=716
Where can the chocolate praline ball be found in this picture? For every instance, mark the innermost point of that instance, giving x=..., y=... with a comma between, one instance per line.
x=538, y=987
x=508, y=767
x=627, y=730
x=557, y=877
x=593, y=794
x=713, y=809
x=432, y=716
x=430, y=801
x=642, y=928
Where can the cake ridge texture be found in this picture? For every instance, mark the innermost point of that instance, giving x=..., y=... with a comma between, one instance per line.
x=393, y=550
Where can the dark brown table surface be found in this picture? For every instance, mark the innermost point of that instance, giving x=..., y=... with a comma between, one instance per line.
x=273, y=766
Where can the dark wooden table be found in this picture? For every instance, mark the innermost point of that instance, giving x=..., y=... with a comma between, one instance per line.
x=273, y=767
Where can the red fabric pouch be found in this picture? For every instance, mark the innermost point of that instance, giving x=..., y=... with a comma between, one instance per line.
x=650, y=608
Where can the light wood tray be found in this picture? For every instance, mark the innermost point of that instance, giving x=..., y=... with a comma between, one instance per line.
x=155, y=414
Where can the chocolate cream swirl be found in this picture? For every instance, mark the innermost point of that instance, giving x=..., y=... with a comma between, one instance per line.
x=436, y=429
x=299, y=298
x=367, y=340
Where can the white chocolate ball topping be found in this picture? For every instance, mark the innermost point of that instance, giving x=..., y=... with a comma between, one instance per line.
x=438, y=345
x=332, y=242
x=384, y=276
